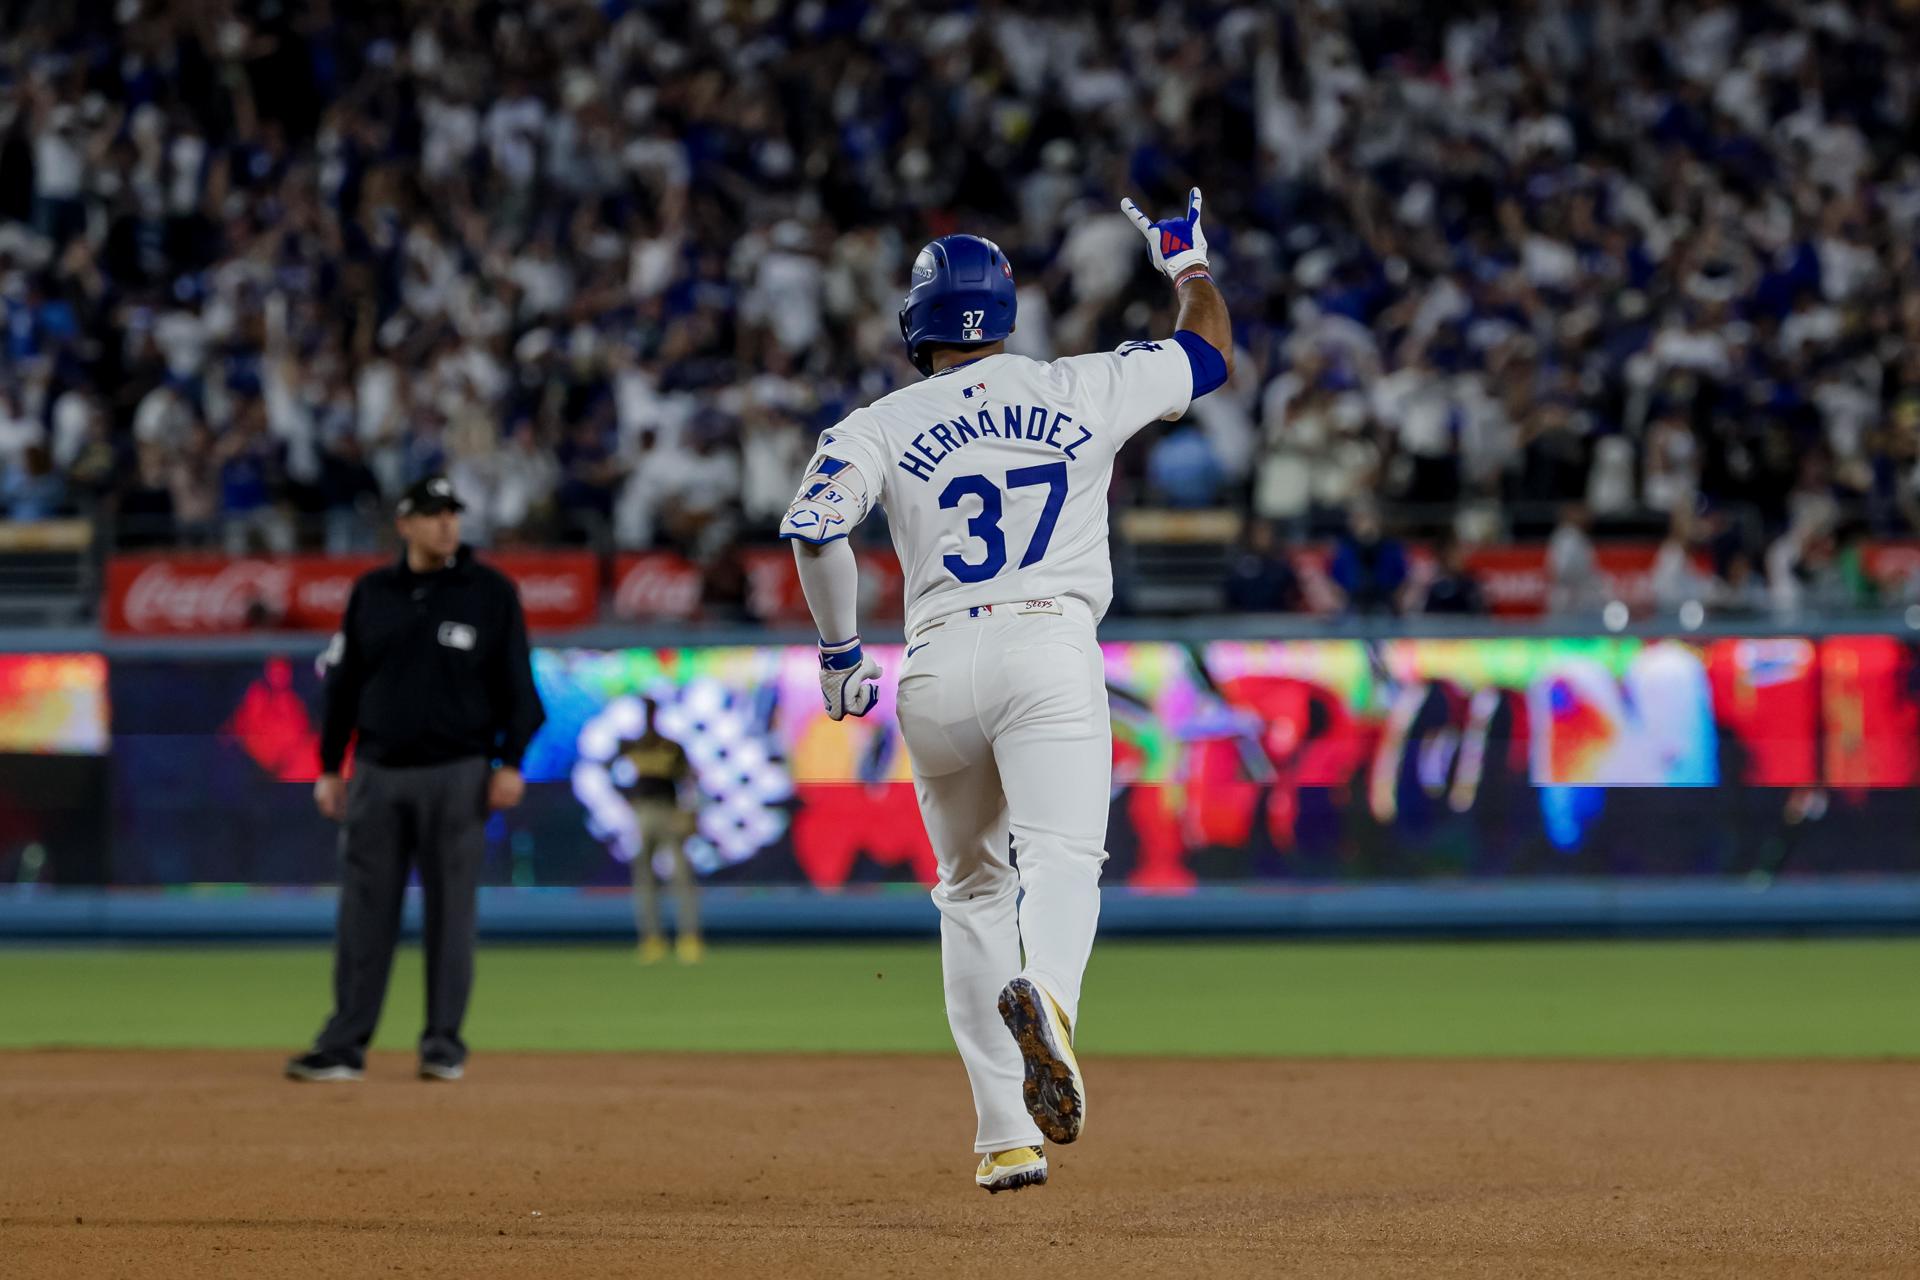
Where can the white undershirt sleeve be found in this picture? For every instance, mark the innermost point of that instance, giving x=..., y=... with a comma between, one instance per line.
x=830, y=579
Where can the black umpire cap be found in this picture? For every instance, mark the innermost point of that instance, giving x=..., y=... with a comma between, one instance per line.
x=429, y=497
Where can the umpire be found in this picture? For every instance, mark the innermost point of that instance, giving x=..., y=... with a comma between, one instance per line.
x=431, y=670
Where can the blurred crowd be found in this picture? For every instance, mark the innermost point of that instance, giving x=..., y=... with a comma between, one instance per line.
x=614, y=265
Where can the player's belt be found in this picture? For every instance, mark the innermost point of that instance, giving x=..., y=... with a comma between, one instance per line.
x=1010, y=608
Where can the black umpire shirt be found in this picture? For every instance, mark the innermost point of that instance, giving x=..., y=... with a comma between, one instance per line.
x=430, y=668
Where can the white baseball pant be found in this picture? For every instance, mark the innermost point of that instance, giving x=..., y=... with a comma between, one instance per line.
x=1004, y=712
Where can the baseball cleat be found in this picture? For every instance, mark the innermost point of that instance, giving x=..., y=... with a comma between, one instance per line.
x=1056, y=1094
x=1011, y=1170
x=440, y=1069
x=317, y=1068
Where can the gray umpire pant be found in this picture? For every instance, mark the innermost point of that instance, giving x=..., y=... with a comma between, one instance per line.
x=433, y=817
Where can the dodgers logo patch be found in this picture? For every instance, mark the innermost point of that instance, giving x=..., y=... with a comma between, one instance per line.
x=458, y=635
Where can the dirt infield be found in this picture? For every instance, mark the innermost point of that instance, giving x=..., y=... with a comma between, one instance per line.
x=202, y=1164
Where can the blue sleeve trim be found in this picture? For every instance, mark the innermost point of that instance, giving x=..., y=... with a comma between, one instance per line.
x=1209, y=366
x=818, y=542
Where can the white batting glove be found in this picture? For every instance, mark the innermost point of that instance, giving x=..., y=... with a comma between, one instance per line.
x=1177, y=244
x=846, y=676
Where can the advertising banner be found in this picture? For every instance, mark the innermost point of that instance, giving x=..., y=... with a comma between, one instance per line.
x=1513, y=578
x=191, y=594
x=213, y=595
x=654, y=585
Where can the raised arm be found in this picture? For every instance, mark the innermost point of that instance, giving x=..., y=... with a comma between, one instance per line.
x=1204, y=312
x=1179, y=250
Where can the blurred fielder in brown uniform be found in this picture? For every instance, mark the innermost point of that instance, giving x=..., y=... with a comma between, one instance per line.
x=659, y=778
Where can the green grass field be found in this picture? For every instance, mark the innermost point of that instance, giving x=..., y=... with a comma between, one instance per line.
x=1520, y=999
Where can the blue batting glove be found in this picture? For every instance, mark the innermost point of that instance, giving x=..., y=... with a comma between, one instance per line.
x=846, y=676
x=1177, y=244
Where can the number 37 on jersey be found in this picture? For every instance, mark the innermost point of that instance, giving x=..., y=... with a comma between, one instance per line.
x=994, y=473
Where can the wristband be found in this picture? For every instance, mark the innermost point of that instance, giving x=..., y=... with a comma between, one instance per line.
x=1193, y=273
x=840, y=657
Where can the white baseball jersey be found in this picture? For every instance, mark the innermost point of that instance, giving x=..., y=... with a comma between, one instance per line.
x=994, y=473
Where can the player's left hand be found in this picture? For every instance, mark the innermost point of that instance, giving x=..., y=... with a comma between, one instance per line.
x=1178, y=245
x=846, y=679
x=505, y=787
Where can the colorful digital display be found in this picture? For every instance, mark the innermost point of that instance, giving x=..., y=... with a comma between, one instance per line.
x=53, y=768
x=1248, y=753
x=53, y=703
x=1328, y=760
x=772, y=768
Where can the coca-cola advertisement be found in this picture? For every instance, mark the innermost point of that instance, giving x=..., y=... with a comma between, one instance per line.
x=213, y=595
x=210, y=595
x=655, y=584
x=557, y=589
x=659, y=584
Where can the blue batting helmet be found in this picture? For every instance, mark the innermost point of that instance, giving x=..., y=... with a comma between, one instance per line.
x=962, y=293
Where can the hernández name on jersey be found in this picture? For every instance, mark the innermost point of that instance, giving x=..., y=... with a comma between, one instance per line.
x=994, y=474
x=1035, y=422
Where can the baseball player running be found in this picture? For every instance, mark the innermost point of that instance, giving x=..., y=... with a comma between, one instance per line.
x=994, y=473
